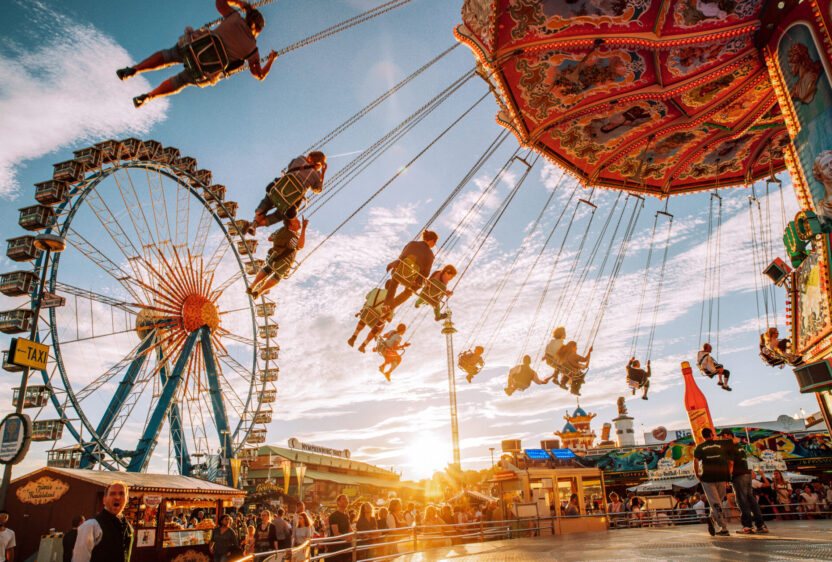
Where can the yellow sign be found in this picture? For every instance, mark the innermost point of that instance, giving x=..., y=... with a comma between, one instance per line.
x=41, y=491
x=27, y=353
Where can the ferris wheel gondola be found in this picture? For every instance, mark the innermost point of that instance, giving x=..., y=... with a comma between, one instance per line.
x=156, y=333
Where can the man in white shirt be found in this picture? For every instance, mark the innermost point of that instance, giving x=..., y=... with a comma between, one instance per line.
x=7, y=543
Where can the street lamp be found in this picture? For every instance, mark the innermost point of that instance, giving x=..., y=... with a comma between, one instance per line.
x=49, y=243
x=492, y=456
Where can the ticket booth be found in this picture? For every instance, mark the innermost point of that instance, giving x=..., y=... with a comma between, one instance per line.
x=160, y=507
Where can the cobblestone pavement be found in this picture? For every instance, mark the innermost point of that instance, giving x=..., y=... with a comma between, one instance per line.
x=788, y=540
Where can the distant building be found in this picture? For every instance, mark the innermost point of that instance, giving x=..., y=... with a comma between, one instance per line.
x=783, y=423
x=577, y=434
x=325, y=475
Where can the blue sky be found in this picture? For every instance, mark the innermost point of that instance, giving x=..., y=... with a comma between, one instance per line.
x=58, y=93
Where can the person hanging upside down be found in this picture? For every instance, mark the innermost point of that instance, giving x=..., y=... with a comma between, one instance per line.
x=639, y=376
x=286, y=242
x=776, y=351
x=375, y=314
x=389, y=346
x=520, y=377
x=410, y=269
x=436, y=290
x=471, y=362
x=572, y=367
x=208, y=55
x=552, y=349
x=711, y=368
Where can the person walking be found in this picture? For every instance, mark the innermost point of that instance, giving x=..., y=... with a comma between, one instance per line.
x=265, y=535
x=339, y=524
x=70, y=536
x=282, y=530
x=713, y=468
x=107, y=537
x=223, y=540
x=7, y=542
x=741, y=481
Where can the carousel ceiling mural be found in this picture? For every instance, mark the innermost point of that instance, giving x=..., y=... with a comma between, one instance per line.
x=659, y=97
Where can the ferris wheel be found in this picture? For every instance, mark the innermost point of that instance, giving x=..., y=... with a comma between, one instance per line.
x=152, y=336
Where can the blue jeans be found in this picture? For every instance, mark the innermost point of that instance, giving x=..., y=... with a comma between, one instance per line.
x=715, y=492
x=746, y=501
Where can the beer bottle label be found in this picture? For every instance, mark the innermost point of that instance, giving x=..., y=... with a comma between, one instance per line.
x=698, y=421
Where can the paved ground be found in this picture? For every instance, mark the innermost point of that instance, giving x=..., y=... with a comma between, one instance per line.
x=788, y=540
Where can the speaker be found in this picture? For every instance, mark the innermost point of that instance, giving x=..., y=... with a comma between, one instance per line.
x=550, y=444
x=777, y=271
x=511, y=446
x=814, y=377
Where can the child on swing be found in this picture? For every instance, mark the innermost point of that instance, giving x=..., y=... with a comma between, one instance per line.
x=390, y=347
x=436, y=290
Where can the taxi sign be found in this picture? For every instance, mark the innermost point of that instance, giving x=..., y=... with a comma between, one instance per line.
x=27, y=353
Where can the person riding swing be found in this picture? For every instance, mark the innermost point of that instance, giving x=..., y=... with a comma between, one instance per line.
x=208, y=55
x=637, y=377
x=286, y=242
x=711, y=368
x=390, y=346
x=775, y=351
x=471, y=362
x=551, y=351
x=436, y=290
x=520, y=377
x=410, y=269
x=572, y=367
x=286, y=195
x=375, y=314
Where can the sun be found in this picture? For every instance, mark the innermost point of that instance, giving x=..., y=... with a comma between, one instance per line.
x=427, y=454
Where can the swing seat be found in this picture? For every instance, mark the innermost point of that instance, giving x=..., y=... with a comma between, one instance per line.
x=550, y=360
x=281, y=265
x=287, y=192
x=772, y=360
x=204, y=57
x=433, y=293
x=385, y=350
x=406, y=273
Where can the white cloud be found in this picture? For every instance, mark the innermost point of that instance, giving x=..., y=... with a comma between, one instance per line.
x=65, y=91
x=772, y=397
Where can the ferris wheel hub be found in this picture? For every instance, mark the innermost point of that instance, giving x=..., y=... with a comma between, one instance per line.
x=198, y=311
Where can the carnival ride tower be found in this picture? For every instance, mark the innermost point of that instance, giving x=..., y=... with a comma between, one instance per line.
x=577, y=433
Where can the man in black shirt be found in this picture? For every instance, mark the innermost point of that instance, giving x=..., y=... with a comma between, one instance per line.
x=70, y=536
x=741, y=480
x=339, y=524
x=713, y=467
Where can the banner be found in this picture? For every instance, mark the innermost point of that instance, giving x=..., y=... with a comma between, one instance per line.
x=300, y=470
x=235, y=471
x=286, y=466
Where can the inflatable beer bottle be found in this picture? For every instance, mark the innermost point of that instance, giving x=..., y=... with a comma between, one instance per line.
x=696, y=406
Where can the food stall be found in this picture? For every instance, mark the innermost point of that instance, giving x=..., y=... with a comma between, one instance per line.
x=549, y=489
x=160, y=508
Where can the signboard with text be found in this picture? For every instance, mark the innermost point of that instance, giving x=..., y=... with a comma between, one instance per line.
x=15, y=436
x=27, y=353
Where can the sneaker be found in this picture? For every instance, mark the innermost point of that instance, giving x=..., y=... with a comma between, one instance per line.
x=362, y=348
x=351, y=341
x=711, y=530
x=469, y=378
x=125, y=73
x=762, y=530
x=442, y=316
x=386, y=376
x=139, y=101
x=723, y=533
x=644, y=398
x=726, y=387
x=508, y=392
x=746, y=531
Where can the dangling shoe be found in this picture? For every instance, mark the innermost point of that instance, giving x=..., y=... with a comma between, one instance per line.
x=507, y=391
x=125, y=73
x=139, y=101
x=644, y=397
x=351, y=341
x=726, y=387
x=362, y=348
x=469, y=378
x=442, y=316
x=387, y=375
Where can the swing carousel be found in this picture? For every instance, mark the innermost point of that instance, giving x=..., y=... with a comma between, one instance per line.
x=639, y=98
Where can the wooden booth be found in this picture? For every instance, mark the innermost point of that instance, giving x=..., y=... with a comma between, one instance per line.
x=544, y=492
x=45, y=501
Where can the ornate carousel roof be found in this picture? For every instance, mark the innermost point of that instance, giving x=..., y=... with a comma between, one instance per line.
x=659, y=97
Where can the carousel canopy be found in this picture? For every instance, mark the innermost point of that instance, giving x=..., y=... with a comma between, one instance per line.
x=657, y=97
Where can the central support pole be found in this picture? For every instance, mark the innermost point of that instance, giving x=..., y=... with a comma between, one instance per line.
x=220, y=415
x=448, y=329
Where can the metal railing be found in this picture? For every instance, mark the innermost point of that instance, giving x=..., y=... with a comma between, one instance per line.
x=385, y=544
